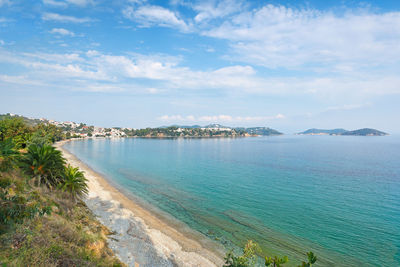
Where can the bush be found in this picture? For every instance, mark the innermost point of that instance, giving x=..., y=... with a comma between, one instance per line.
x=249, y=258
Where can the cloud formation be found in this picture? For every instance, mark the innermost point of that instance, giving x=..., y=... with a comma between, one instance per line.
x=148, y=16
x=277, y=36
x=63, y=18
x=62, y=31
x=163, y=74
x=218, y=118
x=66, y=2
x=209, y=10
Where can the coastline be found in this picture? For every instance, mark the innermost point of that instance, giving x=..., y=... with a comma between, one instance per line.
x=139, y=236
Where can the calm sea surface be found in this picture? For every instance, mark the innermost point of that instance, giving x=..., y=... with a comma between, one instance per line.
x=338, y=196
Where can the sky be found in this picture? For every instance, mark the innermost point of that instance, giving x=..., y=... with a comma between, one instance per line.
x=288, y=65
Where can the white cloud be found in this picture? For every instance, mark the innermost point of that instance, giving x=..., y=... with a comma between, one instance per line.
x=277, y=36
x=148, y=16
x=348, y=107
x=81, y=2
x=137, y=1
x=19, y=79
x=64, y=18
x=66, y=2
x=156, y=74
x=54, y=3
x=219, y=118
x=208, y=10
x=2, y=42
x=62, y=31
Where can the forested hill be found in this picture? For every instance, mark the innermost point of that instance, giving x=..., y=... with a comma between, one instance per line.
x=314, y=131
x=359, y=132
x=365, y=132
x=265, y=131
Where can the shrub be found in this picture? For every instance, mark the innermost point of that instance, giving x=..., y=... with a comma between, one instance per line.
x=8, y=154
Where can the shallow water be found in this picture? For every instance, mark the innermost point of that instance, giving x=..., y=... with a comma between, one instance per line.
x=338, y=196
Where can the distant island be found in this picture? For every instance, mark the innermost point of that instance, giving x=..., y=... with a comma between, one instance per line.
x=211, y=130
x=81, y=130
x=314, y=131
x=340, y=131
x=365, y=132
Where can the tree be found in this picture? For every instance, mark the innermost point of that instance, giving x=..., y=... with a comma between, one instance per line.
x=74, y=183
x=50, y=132
x=8, y=154
x=45, y=164
x=16, y=128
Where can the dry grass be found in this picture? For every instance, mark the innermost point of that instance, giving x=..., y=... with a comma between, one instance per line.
x=70, y=236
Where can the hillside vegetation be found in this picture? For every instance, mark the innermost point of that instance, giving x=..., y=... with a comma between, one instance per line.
x=43, y=220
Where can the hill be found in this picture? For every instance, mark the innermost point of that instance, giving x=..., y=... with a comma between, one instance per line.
x=28, y=121
x=365, y=132
x=314, y=131
x=215, y=129
x=265, y=131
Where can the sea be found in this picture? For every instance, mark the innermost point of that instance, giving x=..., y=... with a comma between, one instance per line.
x=338, y=196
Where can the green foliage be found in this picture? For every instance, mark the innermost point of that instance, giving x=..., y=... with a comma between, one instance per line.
x=45, y=164
x=276, y=261
x=15, y=128
x=248, y=258
x=45, y=134
x=311, y=260
x=17, y=204
x=74, y=183
x=8, y=154
x=27, y=237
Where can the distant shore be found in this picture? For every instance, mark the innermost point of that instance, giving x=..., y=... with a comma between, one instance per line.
x=141, y=237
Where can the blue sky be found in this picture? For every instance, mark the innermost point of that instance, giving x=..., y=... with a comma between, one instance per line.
x=290, y=65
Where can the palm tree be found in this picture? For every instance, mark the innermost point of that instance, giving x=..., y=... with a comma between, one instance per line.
x=74, y=183
x=8, y=154
x=45, y=164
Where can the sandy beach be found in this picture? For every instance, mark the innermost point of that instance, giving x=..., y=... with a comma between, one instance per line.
x=140, y=238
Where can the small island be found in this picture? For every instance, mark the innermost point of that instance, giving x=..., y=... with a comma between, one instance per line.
x=314, y=131
x=365, y=132
x=340, y=131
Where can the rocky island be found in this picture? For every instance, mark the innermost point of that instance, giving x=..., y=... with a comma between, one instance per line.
x=340, y=131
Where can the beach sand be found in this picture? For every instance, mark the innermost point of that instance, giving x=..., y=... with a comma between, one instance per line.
x=139, y=236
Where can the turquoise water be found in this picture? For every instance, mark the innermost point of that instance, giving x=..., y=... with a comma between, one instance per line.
x=337, y=196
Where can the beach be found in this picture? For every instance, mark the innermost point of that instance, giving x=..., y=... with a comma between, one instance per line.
x=140, y=238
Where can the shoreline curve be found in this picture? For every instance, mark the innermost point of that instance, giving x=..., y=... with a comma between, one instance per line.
x=139, y=236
